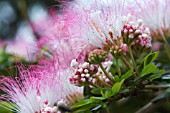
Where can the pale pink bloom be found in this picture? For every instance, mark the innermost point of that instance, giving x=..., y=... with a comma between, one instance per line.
x=24, y=44
x=96, y=18
x=156, y=15
x=40, y=89
x=22, y=48
x=59, y=36
x=99, y=23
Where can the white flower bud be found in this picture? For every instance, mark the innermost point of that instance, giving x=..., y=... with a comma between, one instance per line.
x=87, y=75
x=86, y=71
x=85, y=65
x=80, y=70
x=74, y=64
x=144, y=35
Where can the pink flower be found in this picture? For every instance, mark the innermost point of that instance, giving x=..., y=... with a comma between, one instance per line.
x=95, y=19
x=100, y=23
x=156, y=16
x=40, y=89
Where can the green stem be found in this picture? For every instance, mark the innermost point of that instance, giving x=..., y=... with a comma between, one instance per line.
x=104, y=83
x=167, y=50
x=117, y=67
x=128, y=65
x=133, y=60
x=94, y=85
x=108, y=76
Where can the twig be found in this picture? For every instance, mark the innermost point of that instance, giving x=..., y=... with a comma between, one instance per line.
x=152, y=105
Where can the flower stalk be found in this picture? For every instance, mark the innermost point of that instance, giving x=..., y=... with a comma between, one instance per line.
x=117, y=67
x=94, y=85
x=104, y=83
x=167, y=50
x=133, y=60
x=108, y=76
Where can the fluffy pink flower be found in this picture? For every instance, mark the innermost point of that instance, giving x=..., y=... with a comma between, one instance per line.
x=59, y=37
x=39, y=89
x=155, y=14
x=100, y=23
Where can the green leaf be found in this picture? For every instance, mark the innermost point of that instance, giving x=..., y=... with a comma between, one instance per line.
x=150, y=58
x=4, y=105
x=150, y=68
x=97, y=98
x=98, y=90
x=85, y=108
x=126, y=75
x=158, y=74
x=82, y=103
x=116, y=78
x=116, y=87
x=105, y=94
x=147, y=60
x=104, y=105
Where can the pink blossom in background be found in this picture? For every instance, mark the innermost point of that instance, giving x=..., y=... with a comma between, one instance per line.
x=24, y=44
x=59, y=36
x=156, y=15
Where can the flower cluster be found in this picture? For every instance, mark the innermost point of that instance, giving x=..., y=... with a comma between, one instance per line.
x=83, y=72
x=90, y=74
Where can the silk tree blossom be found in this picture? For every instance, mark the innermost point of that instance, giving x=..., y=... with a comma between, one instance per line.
x=98, y=19
x=101, y=22
x=60, y=38
x=41, y=90
x=156, y=16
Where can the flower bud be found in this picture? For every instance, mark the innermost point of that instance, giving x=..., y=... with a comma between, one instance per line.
x=97, y=56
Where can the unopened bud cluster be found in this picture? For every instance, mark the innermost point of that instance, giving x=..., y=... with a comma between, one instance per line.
x=82, y=73
x=97, y=56
x=141, y=45
x=134, y=30
x=118, y=51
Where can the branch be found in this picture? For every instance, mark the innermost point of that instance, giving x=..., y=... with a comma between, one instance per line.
x=153, y=104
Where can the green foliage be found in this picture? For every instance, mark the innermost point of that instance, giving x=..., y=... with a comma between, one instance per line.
x=158, y=74
x=150, y=68
x=147, y=71
x=126, y=75
x=116, y=78
x=116, y=87
x=99, y=90
x=5, y=104
x=147, y=60
x=83, y=106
